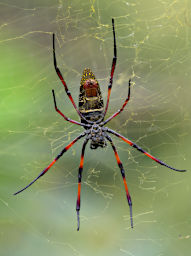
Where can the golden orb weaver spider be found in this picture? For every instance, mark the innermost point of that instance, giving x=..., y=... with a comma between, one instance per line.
x=92, y=113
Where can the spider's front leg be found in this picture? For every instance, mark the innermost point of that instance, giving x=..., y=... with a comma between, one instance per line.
x=123, y=176
x=141, y=150
x=54, y=161
x=79, y=181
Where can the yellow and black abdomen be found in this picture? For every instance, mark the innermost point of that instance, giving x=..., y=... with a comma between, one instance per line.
x=90, y=98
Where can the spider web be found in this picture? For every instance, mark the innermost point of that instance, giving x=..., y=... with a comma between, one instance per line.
x=153, y=46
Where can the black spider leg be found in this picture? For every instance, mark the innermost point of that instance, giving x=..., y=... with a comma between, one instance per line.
x=141, y=150
x=121, y=109
x=112, y=69
x=79, y=182
x=123, y=176
x=54, y=161
x=64, y=83
x=66, y=118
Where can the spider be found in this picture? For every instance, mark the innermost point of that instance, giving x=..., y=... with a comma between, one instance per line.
x=92, y=113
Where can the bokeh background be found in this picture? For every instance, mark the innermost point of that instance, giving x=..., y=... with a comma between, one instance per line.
x=154, y=49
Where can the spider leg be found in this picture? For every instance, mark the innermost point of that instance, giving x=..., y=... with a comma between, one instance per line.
x=121, y=109
x=112, y=69
x=142, y=151
x=79, y=182
x=64, y=83
x=123, y=176
x=53, y=162
x=66, y=118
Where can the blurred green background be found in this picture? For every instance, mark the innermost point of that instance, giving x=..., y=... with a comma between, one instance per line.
x=154, y=49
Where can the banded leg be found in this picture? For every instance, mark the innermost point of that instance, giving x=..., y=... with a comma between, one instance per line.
x=53, y=162
x=79, y=182
x=121, y=109
x=64, y=83
x=112, y=69
x=142, y=151
x=123, y=176
x=66, y=118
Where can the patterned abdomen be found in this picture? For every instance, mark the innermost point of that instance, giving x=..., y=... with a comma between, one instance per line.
x=90, y=98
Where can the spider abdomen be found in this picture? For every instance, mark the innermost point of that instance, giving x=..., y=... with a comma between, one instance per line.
x=90, y=98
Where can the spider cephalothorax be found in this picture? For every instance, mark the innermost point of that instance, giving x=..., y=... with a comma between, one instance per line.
x=92, y=113
x=97, y=136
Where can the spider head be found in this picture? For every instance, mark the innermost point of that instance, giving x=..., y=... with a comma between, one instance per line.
x=97, y=137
